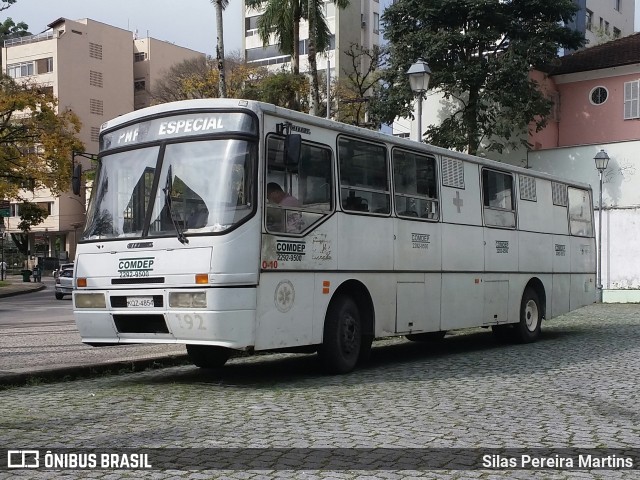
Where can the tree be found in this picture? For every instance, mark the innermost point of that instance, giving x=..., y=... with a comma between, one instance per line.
x=281, y=18
x=30, y=216
x=10, y=29
x=319, y=39
x=354, y=90
x=284, y=89
x=36, y=142
x=195, y=78
x=222, y=86
x=480, y=53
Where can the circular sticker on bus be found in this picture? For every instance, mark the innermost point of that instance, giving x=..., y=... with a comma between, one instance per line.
x=284, y=296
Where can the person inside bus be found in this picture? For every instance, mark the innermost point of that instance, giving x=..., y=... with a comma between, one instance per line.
x=294, y=221
x=276, y=195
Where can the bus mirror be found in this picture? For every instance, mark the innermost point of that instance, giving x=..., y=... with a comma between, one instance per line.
x=292, y=143
x=75, y=179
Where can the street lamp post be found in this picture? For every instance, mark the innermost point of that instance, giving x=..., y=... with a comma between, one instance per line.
x=602, y=160
x=419, y=75
x=2, y=234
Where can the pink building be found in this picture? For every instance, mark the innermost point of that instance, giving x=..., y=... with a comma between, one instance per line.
x=597, y=107
x=597, y=96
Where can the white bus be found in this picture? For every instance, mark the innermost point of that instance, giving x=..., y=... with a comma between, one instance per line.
x=372, y=236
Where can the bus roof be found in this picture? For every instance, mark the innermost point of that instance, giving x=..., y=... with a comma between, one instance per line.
x=260, y=107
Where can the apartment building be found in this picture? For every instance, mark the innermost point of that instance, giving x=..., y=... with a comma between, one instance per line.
x=604, y=20
x=359, y=24
x=99, y=72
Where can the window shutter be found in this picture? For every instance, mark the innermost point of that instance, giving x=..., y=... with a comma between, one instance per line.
x=631, y=99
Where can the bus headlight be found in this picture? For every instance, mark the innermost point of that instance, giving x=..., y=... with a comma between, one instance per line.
x=90, y=300
x=187, y=300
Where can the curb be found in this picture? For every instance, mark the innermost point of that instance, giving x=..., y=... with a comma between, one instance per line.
x=21, y=292
x=10, y=380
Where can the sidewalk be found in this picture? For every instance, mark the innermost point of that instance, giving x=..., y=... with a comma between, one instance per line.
x=41, y=351
x=17, y=286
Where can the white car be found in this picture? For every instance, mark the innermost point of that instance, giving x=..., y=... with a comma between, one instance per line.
x=64, y=283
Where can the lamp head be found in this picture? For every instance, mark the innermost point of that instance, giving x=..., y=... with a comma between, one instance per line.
x=602, y=160
x=419, y=75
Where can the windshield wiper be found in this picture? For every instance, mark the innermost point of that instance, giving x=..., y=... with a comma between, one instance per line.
x=167, y=202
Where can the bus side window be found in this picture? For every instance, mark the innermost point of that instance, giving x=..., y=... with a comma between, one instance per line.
x=364, y=182
x=308, y=187
x=497, y=193
x=415, y=185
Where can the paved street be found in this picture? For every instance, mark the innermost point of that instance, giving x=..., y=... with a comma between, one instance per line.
x=576, y=388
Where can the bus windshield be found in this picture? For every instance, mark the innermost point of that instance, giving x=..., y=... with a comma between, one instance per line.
x=203, y=187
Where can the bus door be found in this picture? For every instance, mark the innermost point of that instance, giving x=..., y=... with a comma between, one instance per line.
x=500, y=242
x=417, y=242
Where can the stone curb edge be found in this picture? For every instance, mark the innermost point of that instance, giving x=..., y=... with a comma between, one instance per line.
x=86, y=371
x=21, y=292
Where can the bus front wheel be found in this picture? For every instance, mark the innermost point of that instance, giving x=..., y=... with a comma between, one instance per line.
x=207, y=356
x=528, y=329
x=342, y=339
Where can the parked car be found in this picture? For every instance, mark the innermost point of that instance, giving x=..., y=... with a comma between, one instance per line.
x=64, y=283
x=63, y=266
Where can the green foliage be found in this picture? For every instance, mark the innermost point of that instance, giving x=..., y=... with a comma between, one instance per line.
x=283, y=89
x=36, y=141
x=480, y=53
x=30, y=216
x=10, y=29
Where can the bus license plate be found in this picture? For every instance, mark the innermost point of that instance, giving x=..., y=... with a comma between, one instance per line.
x=140, y=302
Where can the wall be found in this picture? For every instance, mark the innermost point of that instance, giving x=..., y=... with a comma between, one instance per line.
x=621, y=207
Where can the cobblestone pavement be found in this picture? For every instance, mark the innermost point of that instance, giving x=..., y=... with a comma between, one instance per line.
x=575, y=388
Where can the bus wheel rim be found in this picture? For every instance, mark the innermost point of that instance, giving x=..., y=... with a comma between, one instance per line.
x=531, y=315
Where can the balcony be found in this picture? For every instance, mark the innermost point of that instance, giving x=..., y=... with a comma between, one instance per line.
x=11, y=42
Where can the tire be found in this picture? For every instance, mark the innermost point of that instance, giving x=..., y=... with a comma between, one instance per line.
x=342, y=340
x=528, y=329
x=426, y=337
x=206, y=356
x=59, y=296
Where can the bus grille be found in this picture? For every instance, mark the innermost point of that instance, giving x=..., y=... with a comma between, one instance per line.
x=140, y=323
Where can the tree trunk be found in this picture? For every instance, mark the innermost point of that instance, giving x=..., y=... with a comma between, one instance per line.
x=471, y=121
x=315, y=88
x=222, y=83
x=295, y=56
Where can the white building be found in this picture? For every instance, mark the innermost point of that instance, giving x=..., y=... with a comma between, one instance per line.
x=99, y=72
x=359, y=24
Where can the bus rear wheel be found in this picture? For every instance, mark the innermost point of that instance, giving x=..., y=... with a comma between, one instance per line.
x=342, y=341
x=528, y=329
x=207, y=356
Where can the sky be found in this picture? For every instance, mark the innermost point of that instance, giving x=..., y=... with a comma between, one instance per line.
x=187, y=23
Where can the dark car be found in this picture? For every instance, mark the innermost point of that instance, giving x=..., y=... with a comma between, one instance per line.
x=64, y=283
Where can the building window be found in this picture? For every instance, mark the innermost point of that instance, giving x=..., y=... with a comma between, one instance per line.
x=598, y=95
x=376, y=23
x=95, y=134
x=589, y=21
x=139, y=56
x=17, y=70
x=44, y=65
x=616, y=32
x=95, y=79
x=601, y=23
x=96, y=106
x=606, y=28
x=631, y=100
x=95, y=51
x=139, y=85
x=616, y=5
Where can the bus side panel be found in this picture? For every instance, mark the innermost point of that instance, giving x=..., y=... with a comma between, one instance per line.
x=462, y=300
x=535, y=252
x=364, y=243
x=583, y=283
x=561, y=255
x=500, y=250
x=462, y=248
x=285, y=310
